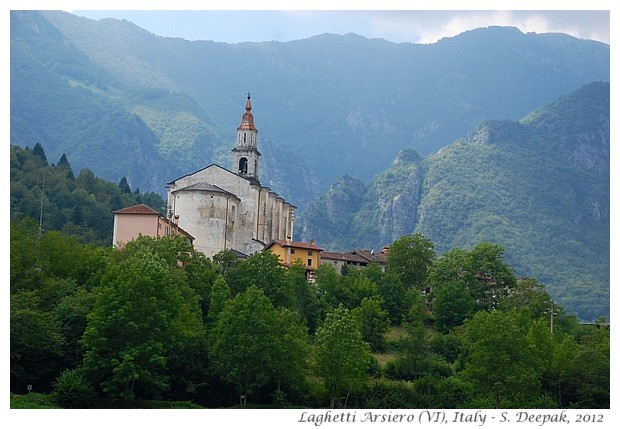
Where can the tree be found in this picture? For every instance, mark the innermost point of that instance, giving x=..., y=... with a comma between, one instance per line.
x=71, y=312
x=494, y=277
x=124, y=186
x=499, y=358
x=140, y=314
x=219, y=295
x=39, y=153
x=328, y=285
x=481, y=270
x=37, y=348
x=305, y=296
x=290, y=350
x=417, y=313
x=374, y=322
x=244, y=339
x=357, y=286
x=342, y=356
x=452, y=304
x=263, y=270
x=63, y=163
x=395, y=297
x=410, y=258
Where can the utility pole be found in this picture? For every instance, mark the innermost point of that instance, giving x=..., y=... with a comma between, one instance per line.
x=40, y=220
x=551, y=314
x=41, y=209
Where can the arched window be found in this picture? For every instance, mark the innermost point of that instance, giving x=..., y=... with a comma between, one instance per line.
x=243, y=166
x=233, y=214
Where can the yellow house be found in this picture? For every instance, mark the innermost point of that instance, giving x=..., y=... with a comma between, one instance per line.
x=290, y=251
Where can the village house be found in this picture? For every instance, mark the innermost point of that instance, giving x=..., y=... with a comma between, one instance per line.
x=291, y=251
x=355, y=258
x=131, y=222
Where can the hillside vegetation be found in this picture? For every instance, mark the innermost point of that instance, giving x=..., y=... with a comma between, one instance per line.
x=332, y=105
x=157, y=325
x=80, y=206
x=539, y=187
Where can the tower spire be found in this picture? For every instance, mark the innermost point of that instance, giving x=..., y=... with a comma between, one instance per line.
x=245, y=153
x=247, y=120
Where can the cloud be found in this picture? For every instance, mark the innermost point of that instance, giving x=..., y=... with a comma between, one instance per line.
x=430, y=26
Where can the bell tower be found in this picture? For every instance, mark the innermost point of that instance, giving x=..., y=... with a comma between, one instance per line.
x=245, y=160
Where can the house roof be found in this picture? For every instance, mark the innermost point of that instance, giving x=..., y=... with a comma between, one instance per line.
x=295, y=244
x=141, y=209
x=360, y=256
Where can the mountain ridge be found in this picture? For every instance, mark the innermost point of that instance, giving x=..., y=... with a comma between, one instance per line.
x=341, y=104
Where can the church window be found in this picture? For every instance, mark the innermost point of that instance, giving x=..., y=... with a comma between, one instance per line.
x=243, y=166
x=233, y=214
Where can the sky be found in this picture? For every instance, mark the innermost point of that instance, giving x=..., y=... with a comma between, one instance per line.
x=415, y=26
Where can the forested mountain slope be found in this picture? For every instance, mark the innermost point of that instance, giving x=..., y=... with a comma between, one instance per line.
x=124, y=102
x=539, y=187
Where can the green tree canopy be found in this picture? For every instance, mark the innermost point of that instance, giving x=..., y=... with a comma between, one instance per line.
x=142, y=296
x=248, y=343
x=410, y=258
x=481, y=270
x=500, y=361
x=452, y=304
x=342, y=356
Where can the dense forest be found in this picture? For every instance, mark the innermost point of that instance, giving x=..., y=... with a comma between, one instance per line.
x=80, y=206
x=157, y=324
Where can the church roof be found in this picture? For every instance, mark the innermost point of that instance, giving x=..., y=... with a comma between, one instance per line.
x=247, y=120
x=204, y=186
x=137, y=209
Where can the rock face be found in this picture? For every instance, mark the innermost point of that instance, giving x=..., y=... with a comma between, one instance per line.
x=330, y=216
x=352, y=214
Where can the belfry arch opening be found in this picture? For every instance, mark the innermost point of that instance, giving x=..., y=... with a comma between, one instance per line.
x=243, y=166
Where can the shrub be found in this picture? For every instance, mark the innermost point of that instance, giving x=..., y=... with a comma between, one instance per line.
x=73, y=390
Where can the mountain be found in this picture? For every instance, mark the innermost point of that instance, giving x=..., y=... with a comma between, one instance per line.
x=540, y=187
x=124, y=102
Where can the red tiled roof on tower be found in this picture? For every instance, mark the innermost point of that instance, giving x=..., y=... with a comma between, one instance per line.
x=247, y=121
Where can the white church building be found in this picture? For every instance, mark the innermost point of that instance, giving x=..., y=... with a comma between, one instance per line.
x=229, y=209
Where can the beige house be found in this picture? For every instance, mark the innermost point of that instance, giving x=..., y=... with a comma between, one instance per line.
x=131, y=222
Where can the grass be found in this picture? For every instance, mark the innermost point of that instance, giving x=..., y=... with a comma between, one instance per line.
x=32, y=401
x=393, y=334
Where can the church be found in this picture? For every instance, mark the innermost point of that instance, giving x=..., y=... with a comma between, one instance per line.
x=230, y=209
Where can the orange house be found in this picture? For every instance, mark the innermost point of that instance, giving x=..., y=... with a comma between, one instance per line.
x=131, y=222
x=290, y=251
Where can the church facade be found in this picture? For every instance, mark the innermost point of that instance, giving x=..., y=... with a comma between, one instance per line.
x=230, y=209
